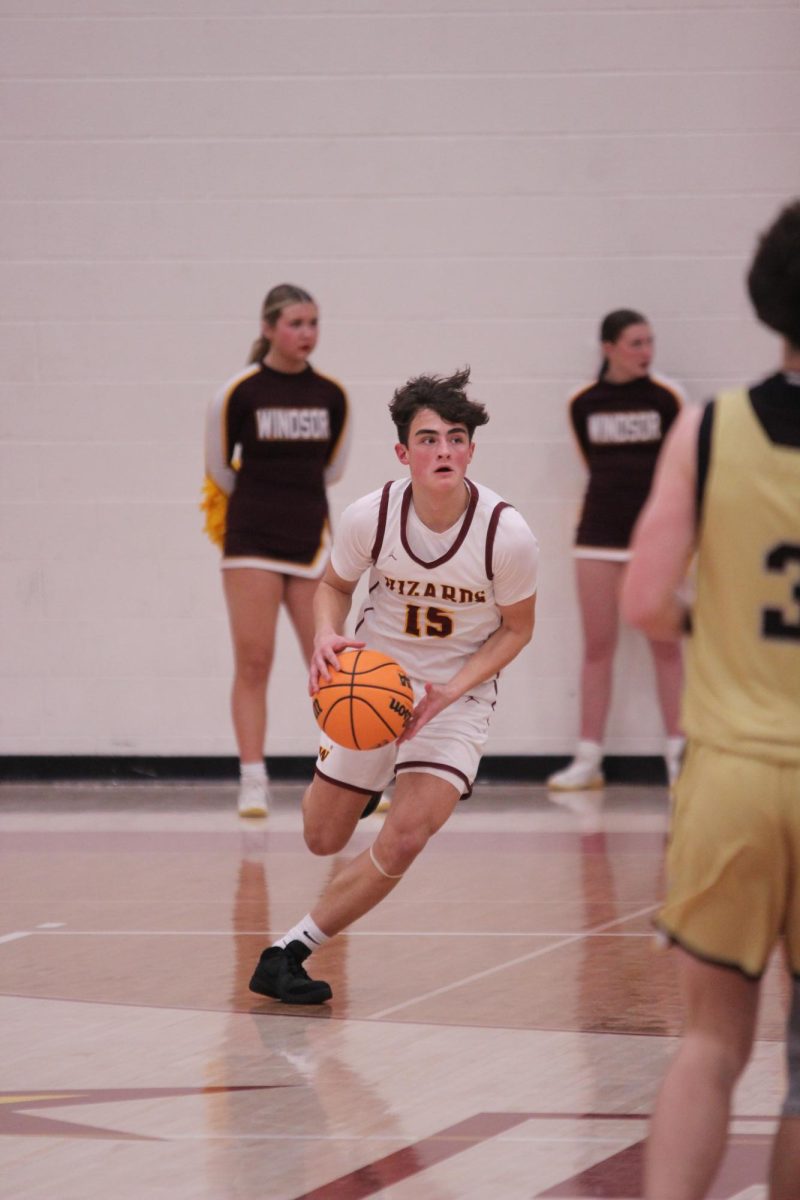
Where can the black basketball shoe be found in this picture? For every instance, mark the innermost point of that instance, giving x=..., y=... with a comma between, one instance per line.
x=280, y=974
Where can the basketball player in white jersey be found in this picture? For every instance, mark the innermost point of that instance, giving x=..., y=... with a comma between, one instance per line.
x=728, y=487
x=452, y=591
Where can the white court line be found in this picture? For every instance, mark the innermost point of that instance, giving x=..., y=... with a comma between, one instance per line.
x=376, y=933
x=334, y=1138
x=13, y=937
x=513, y=962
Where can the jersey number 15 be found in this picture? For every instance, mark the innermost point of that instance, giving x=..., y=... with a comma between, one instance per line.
x=432, y=622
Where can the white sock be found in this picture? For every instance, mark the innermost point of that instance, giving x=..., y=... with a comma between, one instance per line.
x=589, y=752
x=254, y=770
x=674, y=747
x=306, y=932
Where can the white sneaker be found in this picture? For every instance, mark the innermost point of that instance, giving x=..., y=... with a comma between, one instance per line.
x=253, y=797
x=579, y=776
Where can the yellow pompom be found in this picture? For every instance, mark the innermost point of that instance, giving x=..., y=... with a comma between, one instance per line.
x=215, y=506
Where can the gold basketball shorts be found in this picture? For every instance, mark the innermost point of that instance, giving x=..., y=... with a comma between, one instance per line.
x=733, y=865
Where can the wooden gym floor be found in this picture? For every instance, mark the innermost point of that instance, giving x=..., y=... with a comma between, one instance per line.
x=498, y=1028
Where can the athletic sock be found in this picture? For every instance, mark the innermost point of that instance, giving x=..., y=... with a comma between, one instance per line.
x=589, y=752
x=304, y=931
x=254, y=770
x=673, y=757
x=674, y=747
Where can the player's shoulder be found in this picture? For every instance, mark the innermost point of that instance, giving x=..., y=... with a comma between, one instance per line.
x=369, y=504
x=507, y=519
x=513, y=551
x=489, y=498
x=513, y=530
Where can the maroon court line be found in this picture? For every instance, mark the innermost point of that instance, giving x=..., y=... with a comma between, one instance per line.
x=22, y=1115
x=619, y=1175
x=404, y=1164
x=745, y=1164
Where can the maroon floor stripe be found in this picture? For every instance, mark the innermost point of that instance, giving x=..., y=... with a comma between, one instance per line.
x=404, y=1164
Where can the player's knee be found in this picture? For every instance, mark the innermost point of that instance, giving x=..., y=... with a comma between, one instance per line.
x=324, y=841
x=324, y=837
x=730, y=1065
x=723, y=1057
x=731, y=1060
x=323, y=833
x=402, y=847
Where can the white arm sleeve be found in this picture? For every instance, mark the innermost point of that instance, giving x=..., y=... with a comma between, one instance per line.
x=217, y=465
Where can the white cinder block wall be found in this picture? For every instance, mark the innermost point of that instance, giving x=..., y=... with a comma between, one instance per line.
x=457, y=181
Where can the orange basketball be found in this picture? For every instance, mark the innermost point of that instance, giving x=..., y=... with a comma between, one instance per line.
x=367, y=701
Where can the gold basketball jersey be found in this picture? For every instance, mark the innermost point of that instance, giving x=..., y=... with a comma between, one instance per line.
x=743, y=662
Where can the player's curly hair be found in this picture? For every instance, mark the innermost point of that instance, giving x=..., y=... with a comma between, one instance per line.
x=774, y=277
x=446, y=396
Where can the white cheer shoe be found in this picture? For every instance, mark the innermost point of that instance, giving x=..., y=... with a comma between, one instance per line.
x=578, y=776
x=253, y=798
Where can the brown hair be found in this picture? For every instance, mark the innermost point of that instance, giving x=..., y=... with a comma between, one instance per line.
x=614, y=324
x=275, y=301
x=445, y=396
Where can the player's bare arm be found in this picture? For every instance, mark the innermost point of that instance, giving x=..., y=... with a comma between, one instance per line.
x=332, y=601
x=664, y=538
x=512, y=635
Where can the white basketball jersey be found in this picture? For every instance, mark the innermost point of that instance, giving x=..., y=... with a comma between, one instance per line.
x=431, y=602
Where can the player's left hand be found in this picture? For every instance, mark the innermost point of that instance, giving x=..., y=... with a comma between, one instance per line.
x=437, y=697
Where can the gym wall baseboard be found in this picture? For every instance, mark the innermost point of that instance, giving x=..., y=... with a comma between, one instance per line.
x=515, y=768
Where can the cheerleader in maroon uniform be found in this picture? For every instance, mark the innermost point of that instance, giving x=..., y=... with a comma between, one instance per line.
x=620, y=422
x=276, y=435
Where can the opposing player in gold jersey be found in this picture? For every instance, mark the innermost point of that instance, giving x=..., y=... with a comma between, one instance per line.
x=728, y=487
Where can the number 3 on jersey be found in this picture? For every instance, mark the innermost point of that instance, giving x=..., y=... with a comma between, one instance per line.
x=774, y=622
x=432, y=622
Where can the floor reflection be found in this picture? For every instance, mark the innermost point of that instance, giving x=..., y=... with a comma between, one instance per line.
x=498, y=1027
